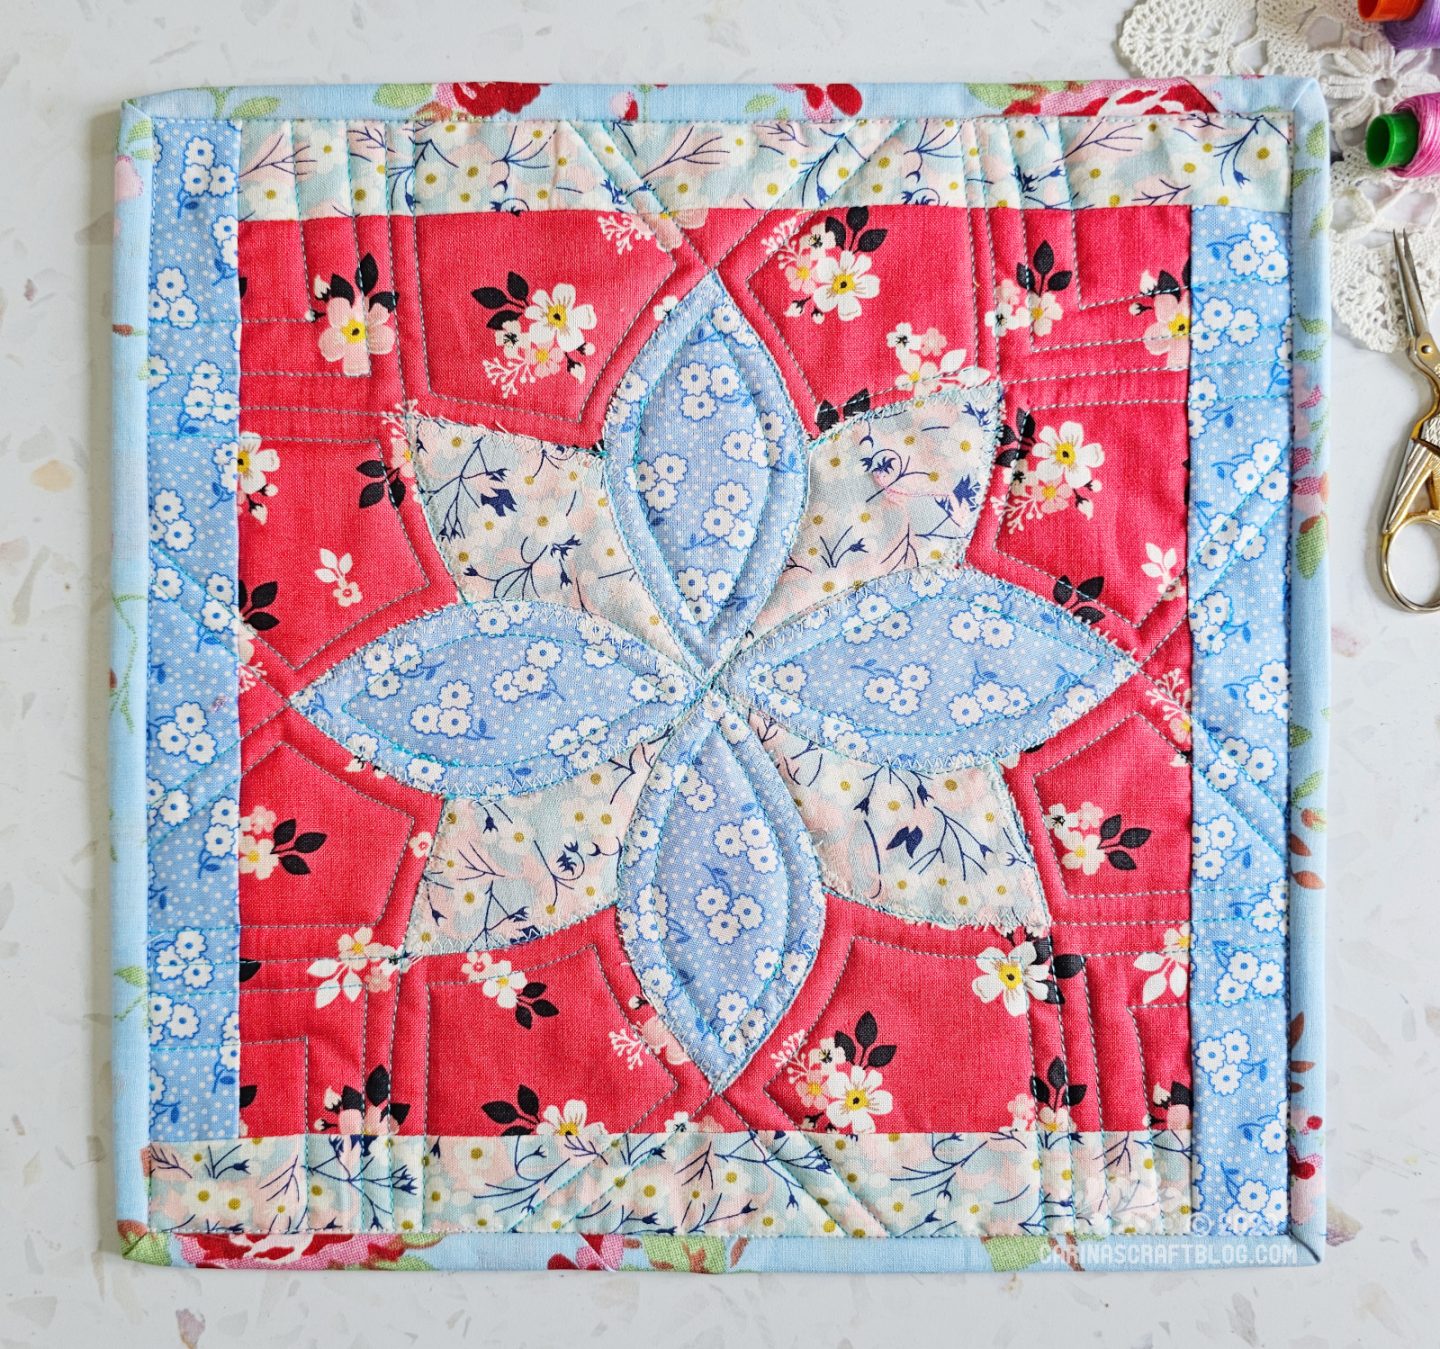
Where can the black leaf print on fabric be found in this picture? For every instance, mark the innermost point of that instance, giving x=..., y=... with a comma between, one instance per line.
x=255, y=605
x=367, y=277
x=387, y=481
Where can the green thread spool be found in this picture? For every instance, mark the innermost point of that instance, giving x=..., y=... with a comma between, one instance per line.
x=1392, y=139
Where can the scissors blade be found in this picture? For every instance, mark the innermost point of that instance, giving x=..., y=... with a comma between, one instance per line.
x=1412, y=297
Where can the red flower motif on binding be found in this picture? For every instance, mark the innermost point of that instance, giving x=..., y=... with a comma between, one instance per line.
x=300, y=1250
x=485, y=98
x=598, y=1252
x=828, y=99
x=1107, y=97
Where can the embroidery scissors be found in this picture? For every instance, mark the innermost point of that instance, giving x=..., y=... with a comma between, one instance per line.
x=1415, y=499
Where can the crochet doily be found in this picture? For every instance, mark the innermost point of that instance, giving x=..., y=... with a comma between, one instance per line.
x=1361, y=74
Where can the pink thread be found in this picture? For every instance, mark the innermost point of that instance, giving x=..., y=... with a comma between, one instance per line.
x=1426, y=110
x=1420, y=31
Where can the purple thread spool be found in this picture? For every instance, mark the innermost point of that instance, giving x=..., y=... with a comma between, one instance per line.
x=1410, y=25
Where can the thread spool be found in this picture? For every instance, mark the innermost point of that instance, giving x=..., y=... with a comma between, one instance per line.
x=1410, y=25
x=1406, y=140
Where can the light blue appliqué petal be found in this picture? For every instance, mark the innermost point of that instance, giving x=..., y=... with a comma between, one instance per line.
x=497, y=697
x=706, y=469
x=720, y=904
x=930, y=669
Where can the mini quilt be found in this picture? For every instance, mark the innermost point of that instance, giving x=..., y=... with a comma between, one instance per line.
x=720, y=678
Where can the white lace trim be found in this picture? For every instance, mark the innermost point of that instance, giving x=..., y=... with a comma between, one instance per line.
x=1361, y=74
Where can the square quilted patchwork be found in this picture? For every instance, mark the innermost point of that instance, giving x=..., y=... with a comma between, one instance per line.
x=720, y=678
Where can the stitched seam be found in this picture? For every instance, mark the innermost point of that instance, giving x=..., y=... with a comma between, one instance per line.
x=599, y=965
x=1136, y=715
x=1104, y=1213
x=803, y=602
x=501, y=407
x=1069, y=1133
x=1214, y=118
x=794, y=915
x=1028, y=876
x=351, y=788
x=1122, y=661
x=427, y=582
x=770, y=504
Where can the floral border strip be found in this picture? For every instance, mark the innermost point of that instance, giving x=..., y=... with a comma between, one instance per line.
x=1309, y=208
x=1010, y=1182
x=192, y=373
x=1240, y=444
x=308, y=170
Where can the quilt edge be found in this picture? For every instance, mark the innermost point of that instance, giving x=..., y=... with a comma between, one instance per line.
x=1308, y=635
x=1309, y=659
x=129, y=586
x=398, y=102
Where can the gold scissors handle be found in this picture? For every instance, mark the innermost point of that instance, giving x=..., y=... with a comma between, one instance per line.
x=1415, y=499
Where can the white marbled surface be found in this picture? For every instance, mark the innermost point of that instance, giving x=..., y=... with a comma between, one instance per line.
x=64, y=67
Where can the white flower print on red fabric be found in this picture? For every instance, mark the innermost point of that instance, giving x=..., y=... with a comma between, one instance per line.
x=555, y=318
x=799, y=257
x=540, y=331
x=1030, y=299
x=1052, y=469
x=927, y=366
x=1082, y=851
x=1170, y=695
x=249, y=465
x=843, y=280
x=1169, y=968
x=649, y=1037
x=266, y=842
x=257, y=857
x=1017, y=308
x=1041, y=312
x=335, y=571
x=856, y=1097
x=1015, y=977
x=498, y=979
x=361, y=965
x=355, y=334
x=366, y=1109
x=809, y=1083
x=570, y=1123
x=1062, y=454
x=1162, y=567
x=1088, y=839
x=830, y=268
x=837, y=1081
x=624, y=231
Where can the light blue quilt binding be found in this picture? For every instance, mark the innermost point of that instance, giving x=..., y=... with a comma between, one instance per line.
x=728, y=904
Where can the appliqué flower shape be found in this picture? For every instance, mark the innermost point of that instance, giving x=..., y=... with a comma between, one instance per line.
x=655, y=680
